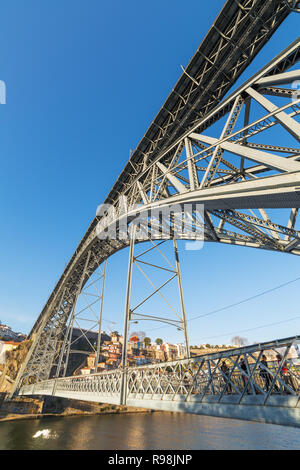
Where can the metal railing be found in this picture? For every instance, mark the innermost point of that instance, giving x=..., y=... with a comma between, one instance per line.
x=262, y=371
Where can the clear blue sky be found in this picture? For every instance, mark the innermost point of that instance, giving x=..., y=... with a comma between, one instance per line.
x=84, y=80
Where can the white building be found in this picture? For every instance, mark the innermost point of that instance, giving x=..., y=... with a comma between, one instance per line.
x=4, y=347
x=180, y=350
x=7, y=332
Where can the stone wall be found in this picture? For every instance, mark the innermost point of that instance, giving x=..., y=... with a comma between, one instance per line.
x=21, y=406
x=66, y=406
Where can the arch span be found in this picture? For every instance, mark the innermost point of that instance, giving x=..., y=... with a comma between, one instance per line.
x=218, y=160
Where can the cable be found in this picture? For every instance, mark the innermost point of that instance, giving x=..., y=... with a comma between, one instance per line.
x=237, y=303
x=251, y=329
x=245, y=300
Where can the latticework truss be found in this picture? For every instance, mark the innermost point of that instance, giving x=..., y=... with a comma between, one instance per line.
x=238, y=158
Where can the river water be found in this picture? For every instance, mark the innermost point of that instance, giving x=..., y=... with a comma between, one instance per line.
x=142, y=431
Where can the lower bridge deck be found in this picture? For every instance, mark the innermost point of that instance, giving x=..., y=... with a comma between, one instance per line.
x=255, y=383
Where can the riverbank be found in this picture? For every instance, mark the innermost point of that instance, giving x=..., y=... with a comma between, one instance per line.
x=61, y=415
x=19, y=409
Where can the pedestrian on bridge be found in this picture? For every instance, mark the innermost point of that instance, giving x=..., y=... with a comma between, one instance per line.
x=245, y=375
x=226, y=372
x=264, y=373
x=285, y=374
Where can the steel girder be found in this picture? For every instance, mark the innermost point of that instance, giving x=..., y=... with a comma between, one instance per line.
x=239, y=32
x=197, y=168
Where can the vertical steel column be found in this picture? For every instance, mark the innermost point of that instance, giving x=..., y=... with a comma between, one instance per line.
x=187, y=347
x=70, y=326
x=100, y=319
x=127, y=318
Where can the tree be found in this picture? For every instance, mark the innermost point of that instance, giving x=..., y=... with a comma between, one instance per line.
x=159, y=341
x=140, y=334
x=239, y=341
x=147, y=341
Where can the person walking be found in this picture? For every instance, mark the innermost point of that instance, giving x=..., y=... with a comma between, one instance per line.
x=225, y=370
x=243, y=366
x=285, y=374
x=264, y=373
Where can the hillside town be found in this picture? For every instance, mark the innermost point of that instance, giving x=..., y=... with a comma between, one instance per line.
x=140, y=351
x=7, y=334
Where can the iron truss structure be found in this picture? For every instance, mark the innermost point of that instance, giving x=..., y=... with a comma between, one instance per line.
x=237, y=383
x=223, y=154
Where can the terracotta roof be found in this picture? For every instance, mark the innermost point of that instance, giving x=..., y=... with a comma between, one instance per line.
x=15, y=343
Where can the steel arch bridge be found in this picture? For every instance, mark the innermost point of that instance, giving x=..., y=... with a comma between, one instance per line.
x=214, y=164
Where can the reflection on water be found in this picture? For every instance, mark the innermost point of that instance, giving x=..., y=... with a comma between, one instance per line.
x=145, y=431
x=45, y=434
